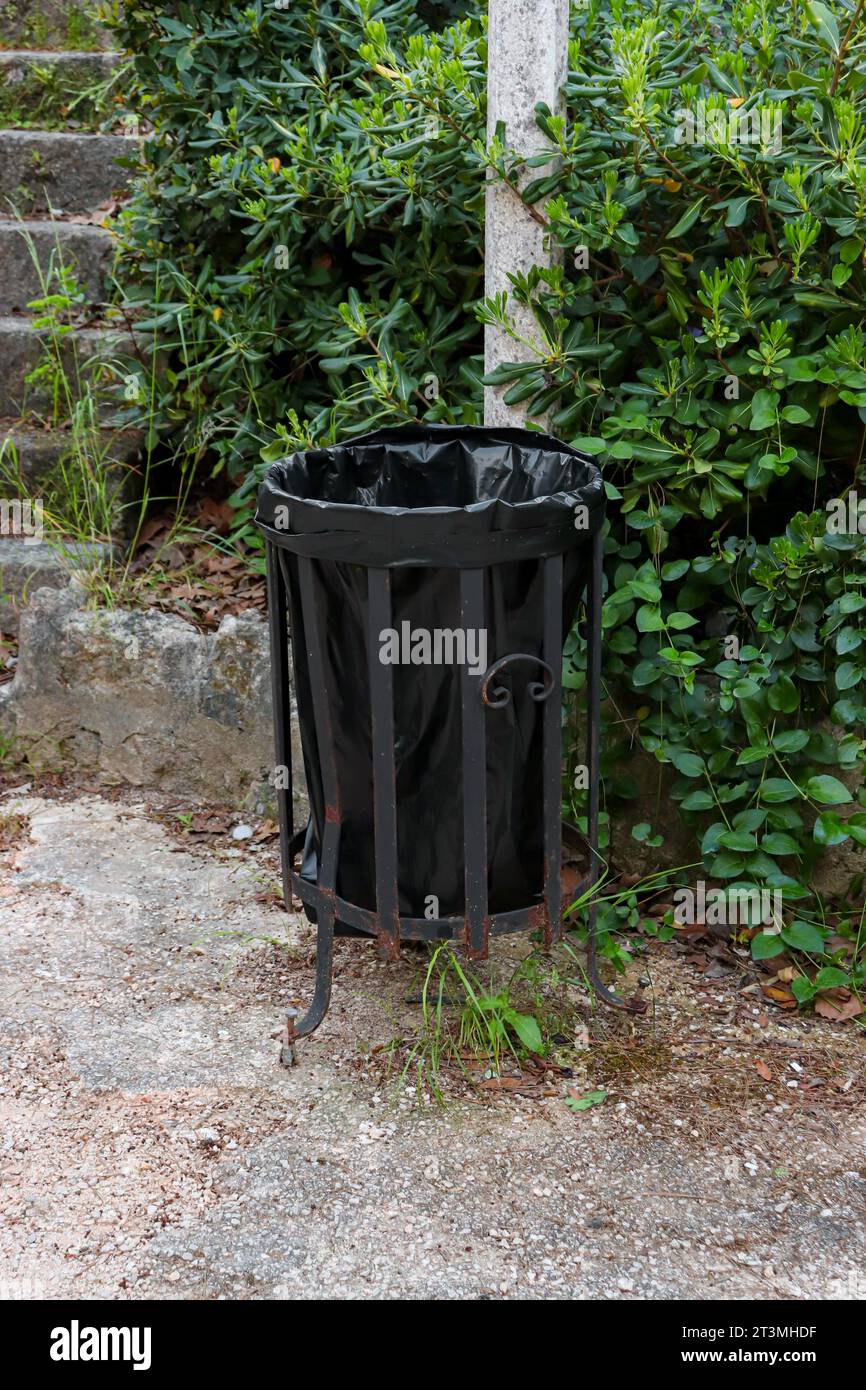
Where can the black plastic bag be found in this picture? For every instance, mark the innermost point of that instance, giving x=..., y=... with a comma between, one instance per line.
x=426, y=501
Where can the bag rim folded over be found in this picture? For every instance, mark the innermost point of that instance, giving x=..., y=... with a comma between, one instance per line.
x=433, y=458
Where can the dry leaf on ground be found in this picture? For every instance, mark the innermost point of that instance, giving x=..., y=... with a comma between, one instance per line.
x=838, y=1004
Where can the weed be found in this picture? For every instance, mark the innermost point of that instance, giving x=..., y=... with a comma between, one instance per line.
x=14, y=829
x=463, y=1022
x=7, y=750
x=90, y=494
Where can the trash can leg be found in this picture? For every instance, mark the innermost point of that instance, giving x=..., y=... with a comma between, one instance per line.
x=322, y=995
x=326, y=879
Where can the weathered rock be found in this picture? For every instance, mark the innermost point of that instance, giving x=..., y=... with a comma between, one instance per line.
x=33, y=456
x=16, y=63
x=22, y=348
x=143, y=698
x=60, y=171
x=651, y=803
x=27, y=564
x=29, y=250
x=839, y=871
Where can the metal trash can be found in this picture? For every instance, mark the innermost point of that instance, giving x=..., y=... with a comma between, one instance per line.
x=428, y=576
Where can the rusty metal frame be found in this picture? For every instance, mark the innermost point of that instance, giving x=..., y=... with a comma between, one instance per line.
x=477, y=695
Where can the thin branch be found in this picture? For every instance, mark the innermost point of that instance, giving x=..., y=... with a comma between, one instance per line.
x=843, y=47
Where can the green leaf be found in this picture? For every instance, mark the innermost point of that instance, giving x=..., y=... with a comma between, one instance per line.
x=646, y=588
x=699, y=800
x=765, y=405
x=766, y=944
x=856, y=827
x=829, y=829
x=675, y=569
x=739, y=840
x=825, y=22
x=840, y=275
x=845, y=712
x=829, y=791
x=776, y=789
x=783, y=695
x=802, y=989
x=645, y=673
x=831, y=977
x=689, y=764
x=847, y=676
x=710, y=841
x=791, y=740
x=777, y=842
x=753, y=755
x=680, y=658
x=527, y=1030
x=586, y=1101
x=649, y=619
x=737, y=211
x=687, y=221
x=803, y=936
x=728, y=864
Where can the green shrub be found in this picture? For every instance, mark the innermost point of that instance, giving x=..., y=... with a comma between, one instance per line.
x=702, y=335
x=301, y=289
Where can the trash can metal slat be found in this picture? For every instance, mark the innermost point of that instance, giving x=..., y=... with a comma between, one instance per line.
x=474, y=741
x=384, y=774
x=552, y=748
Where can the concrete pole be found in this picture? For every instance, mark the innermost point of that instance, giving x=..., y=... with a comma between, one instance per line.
x=527, y=63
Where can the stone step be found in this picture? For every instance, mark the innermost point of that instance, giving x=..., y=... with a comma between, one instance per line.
x=50, y=90
x=28, y=563
x=51, y=24
x=22, y=349
x=33, y=456
x=59, y=468
x=30, y=247
x=62, y=172
x=143, y=697
x=92, y=63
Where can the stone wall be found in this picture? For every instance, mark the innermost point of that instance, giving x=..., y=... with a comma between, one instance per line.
x=144, y=699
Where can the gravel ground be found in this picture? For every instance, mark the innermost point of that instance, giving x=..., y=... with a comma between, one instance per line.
x=151, y=1145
